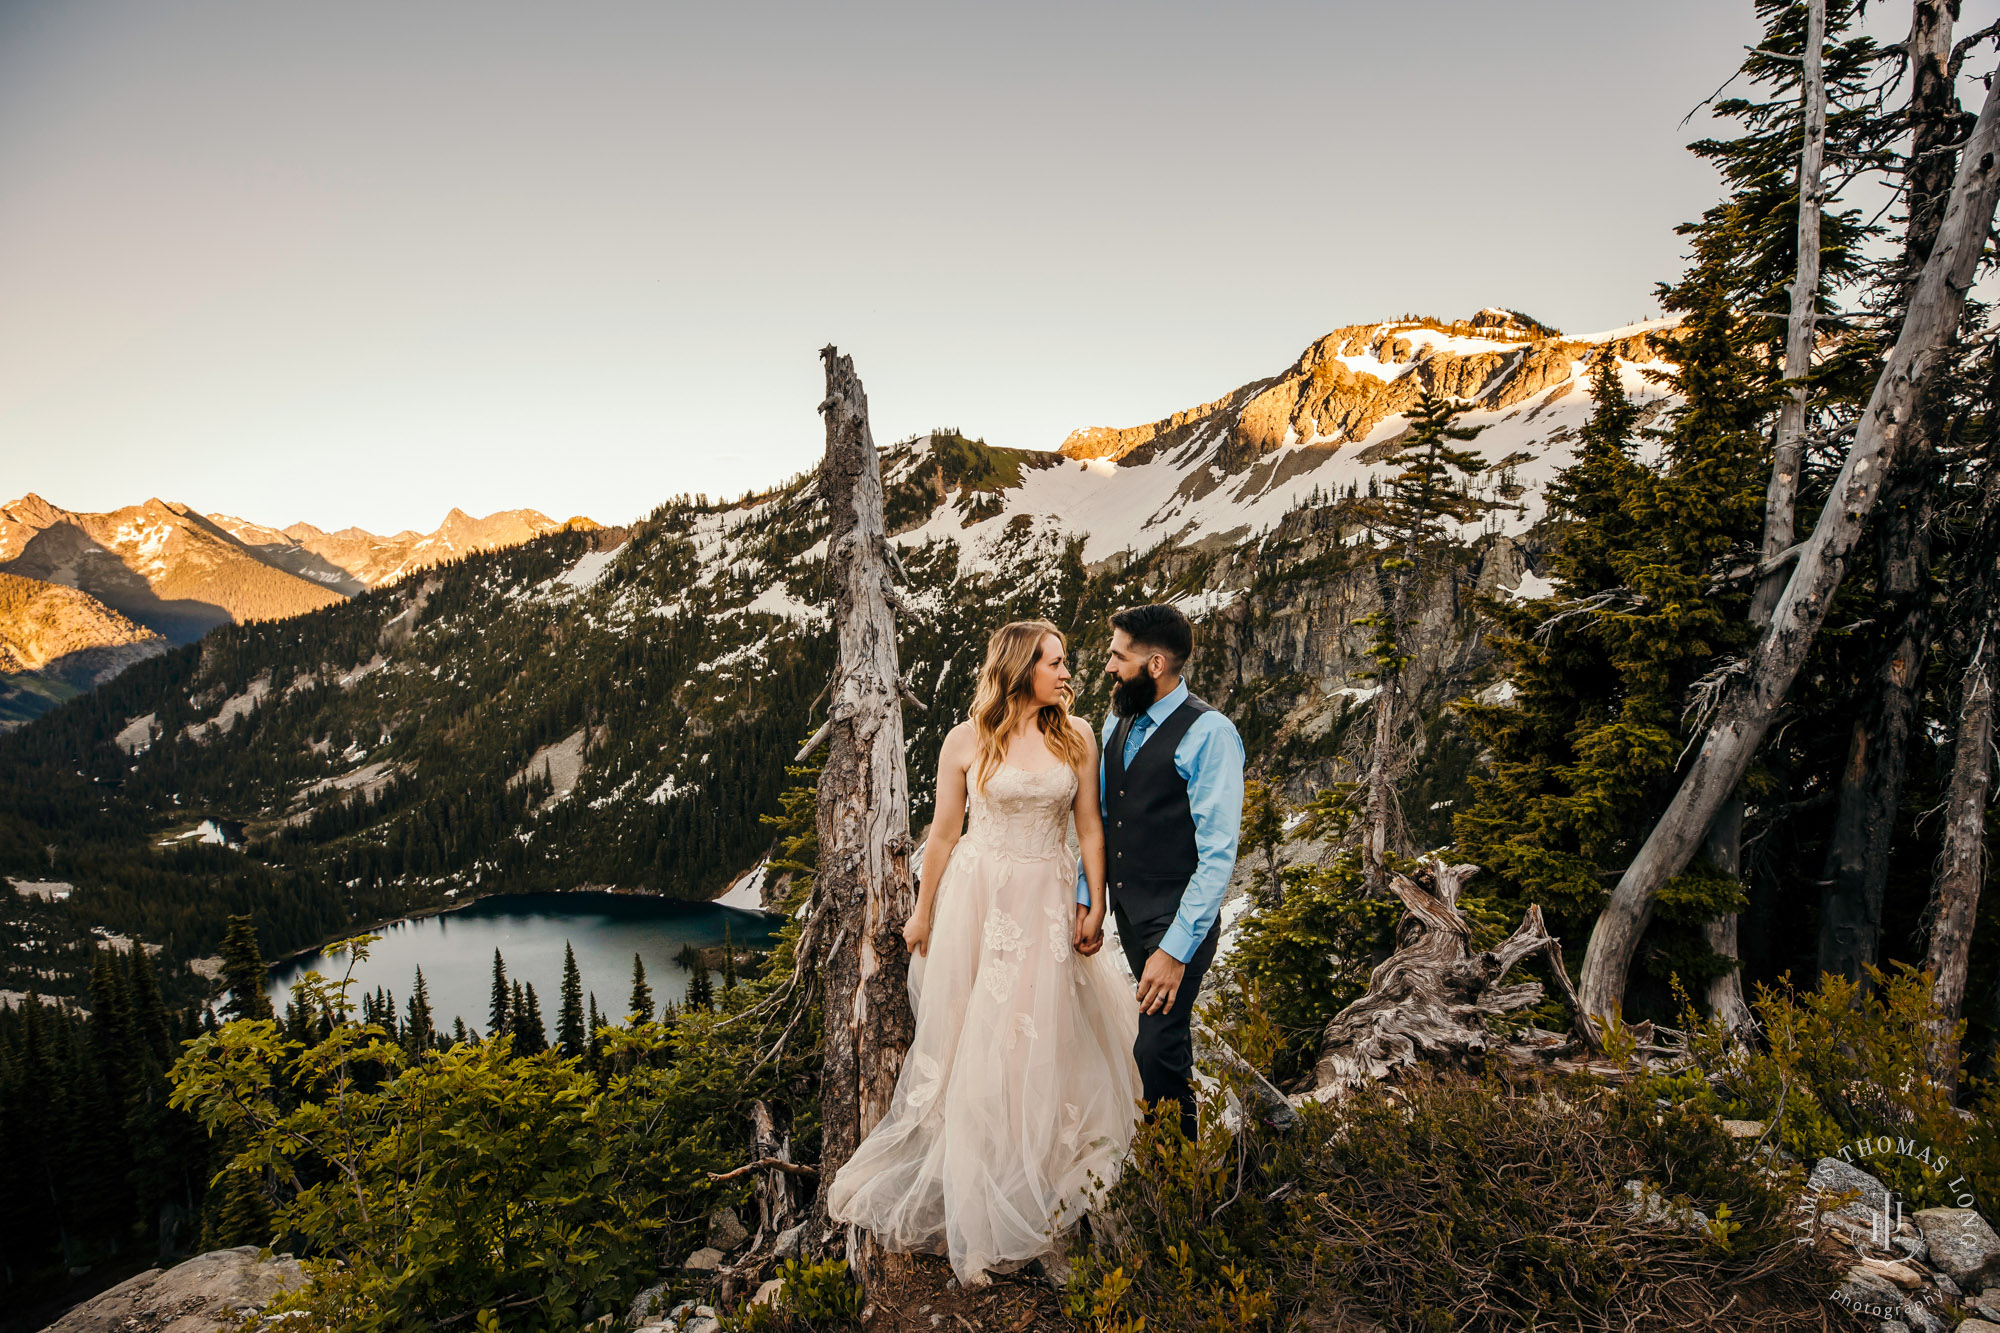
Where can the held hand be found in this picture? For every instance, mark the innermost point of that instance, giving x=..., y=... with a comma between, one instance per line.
x=1087, y=934
x=1160, y=982
x=917, y=933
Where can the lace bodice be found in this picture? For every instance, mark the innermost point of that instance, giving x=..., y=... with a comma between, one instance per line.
x=1023, y=815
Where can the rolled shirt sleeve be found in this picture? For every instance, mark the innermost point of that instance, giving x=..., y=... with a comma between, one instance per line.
x=1210, y=760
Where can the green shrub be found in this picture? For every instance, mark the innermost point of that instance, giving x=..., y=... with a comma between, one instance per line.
x=1447, y=1202
x=544, y=1191
x=1841, y=1065
x=815, y=1297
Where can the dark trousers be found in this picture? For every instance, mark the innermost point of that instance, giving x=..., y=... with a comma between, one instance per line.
x=1165, y=1048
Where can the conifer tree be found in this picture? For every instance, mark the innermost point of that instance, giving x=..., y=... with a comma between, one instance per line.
x=700, y=994
x=243, y=971
x=1264, y=832
x=236, y=1210
x=596, y=1021
x=570, y=1032
x=151, y=1025
x=1414, y=520
x=420, y=1029
x=501, y=1005
x=533, y=1037
x=640, y=1004
x=1583, y=756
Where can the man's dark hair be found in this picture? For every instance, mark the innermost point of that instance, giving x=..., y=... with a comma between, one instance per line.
x=1160, y=627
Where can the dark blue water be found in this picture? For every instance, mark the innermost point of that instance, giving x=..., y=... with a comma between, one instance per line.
x=455, y=950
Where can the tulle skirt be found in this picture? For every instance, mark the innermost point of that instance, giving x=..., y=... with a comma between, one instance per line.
x=1017, y=1100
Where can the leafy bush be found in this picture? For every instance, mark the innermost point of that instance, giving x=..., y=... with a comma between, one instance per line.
x=1449, y=1202
x=424, y=1190
x=815, y=1297
x=1841, y=1065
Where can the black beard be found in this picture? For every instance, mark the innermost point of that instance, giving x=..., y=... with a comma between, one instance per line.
x=1129, y=698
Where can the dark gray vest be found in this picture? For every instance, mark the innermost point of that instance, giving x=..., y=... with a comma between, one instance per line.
x=1149, y=851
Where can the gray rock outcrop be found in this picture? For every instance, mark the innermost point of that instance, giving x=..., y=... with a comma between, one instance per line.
x=209, y=1292
x=1961, y=1244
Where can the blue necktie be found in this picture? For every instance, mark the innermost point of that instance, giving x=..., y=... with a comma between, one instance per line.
x=1141, y=725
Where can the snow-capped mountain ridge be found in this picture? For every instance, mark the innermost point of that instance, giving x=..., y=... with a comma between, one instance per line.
x=1238, y=464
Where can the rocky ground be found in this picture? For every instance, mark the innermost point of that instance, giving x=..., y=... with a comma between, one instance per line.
x=1926, y=1271
x=1917, y=1272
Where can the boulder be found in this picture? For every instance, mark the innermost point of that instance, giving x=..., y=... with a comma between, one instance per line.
x=705, y=1260
x=725, y=1231
x=768, y=1293
x=1831, y=1175
x=1978, y=1326
x=1743, y=1129
x=1923, y=1319
x=642, y=1305
x=1961, y=1244
x=211, y=1291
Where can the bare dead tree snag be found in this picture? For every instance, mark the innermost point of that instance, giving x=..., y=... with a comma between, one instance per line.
x=1745, y=713
x=1380, y=781
x=863, y=878
x=1856, y=872
x=1725, y=852
x=776, y=1197
x=1962, y=864
x=1788, y=448
x=1433, y=996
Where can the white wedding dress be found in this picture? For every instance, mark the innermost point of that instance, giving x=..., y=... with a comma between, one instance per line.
x=1016, y=1102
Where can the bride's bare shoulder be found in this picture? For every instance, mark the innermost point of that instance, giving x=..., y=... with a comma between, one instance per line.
x=1084, y=729
x=961, y=740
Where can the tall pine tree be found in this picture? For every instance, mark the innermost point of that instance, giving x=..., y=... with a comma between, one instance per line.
x=570, y=1032
x=500, y=1005
x=640, y=1004
x=1414, y=522
x=243, y=971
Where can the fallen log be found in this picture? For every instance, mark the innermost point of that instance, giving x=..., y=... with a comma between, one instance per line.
x=1433, y=999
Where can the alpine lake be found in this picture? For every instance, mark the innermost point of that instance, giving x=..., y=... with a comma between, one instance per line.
x=455, y=950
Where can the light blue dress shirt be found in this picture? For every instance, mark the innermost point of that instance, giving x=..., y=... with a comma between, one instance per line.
x=1209, y=759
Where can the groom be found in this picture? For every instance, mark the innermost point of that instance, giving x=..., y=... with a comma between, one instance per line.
x=1171, y=778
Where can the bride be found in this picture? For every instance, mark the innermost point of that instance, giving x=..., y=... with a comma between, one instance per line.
x=1017, y=1099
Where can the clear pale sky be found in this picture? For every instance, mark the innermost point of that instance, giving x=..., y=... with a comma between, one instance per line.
x=361, y=262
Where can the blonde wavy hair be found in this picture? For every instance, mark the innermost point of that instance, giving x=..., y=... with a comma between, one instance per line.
x=1003, y=696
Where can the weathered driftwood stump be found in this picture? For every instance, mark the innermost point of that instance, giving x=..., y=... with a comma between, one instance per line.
x=776, y=1196
x=861, y=891
x=1432, y=998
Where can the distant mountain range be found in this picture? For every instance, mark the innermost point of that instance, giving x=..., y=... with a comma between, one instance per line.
x=85, y=595
x=620, y=707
